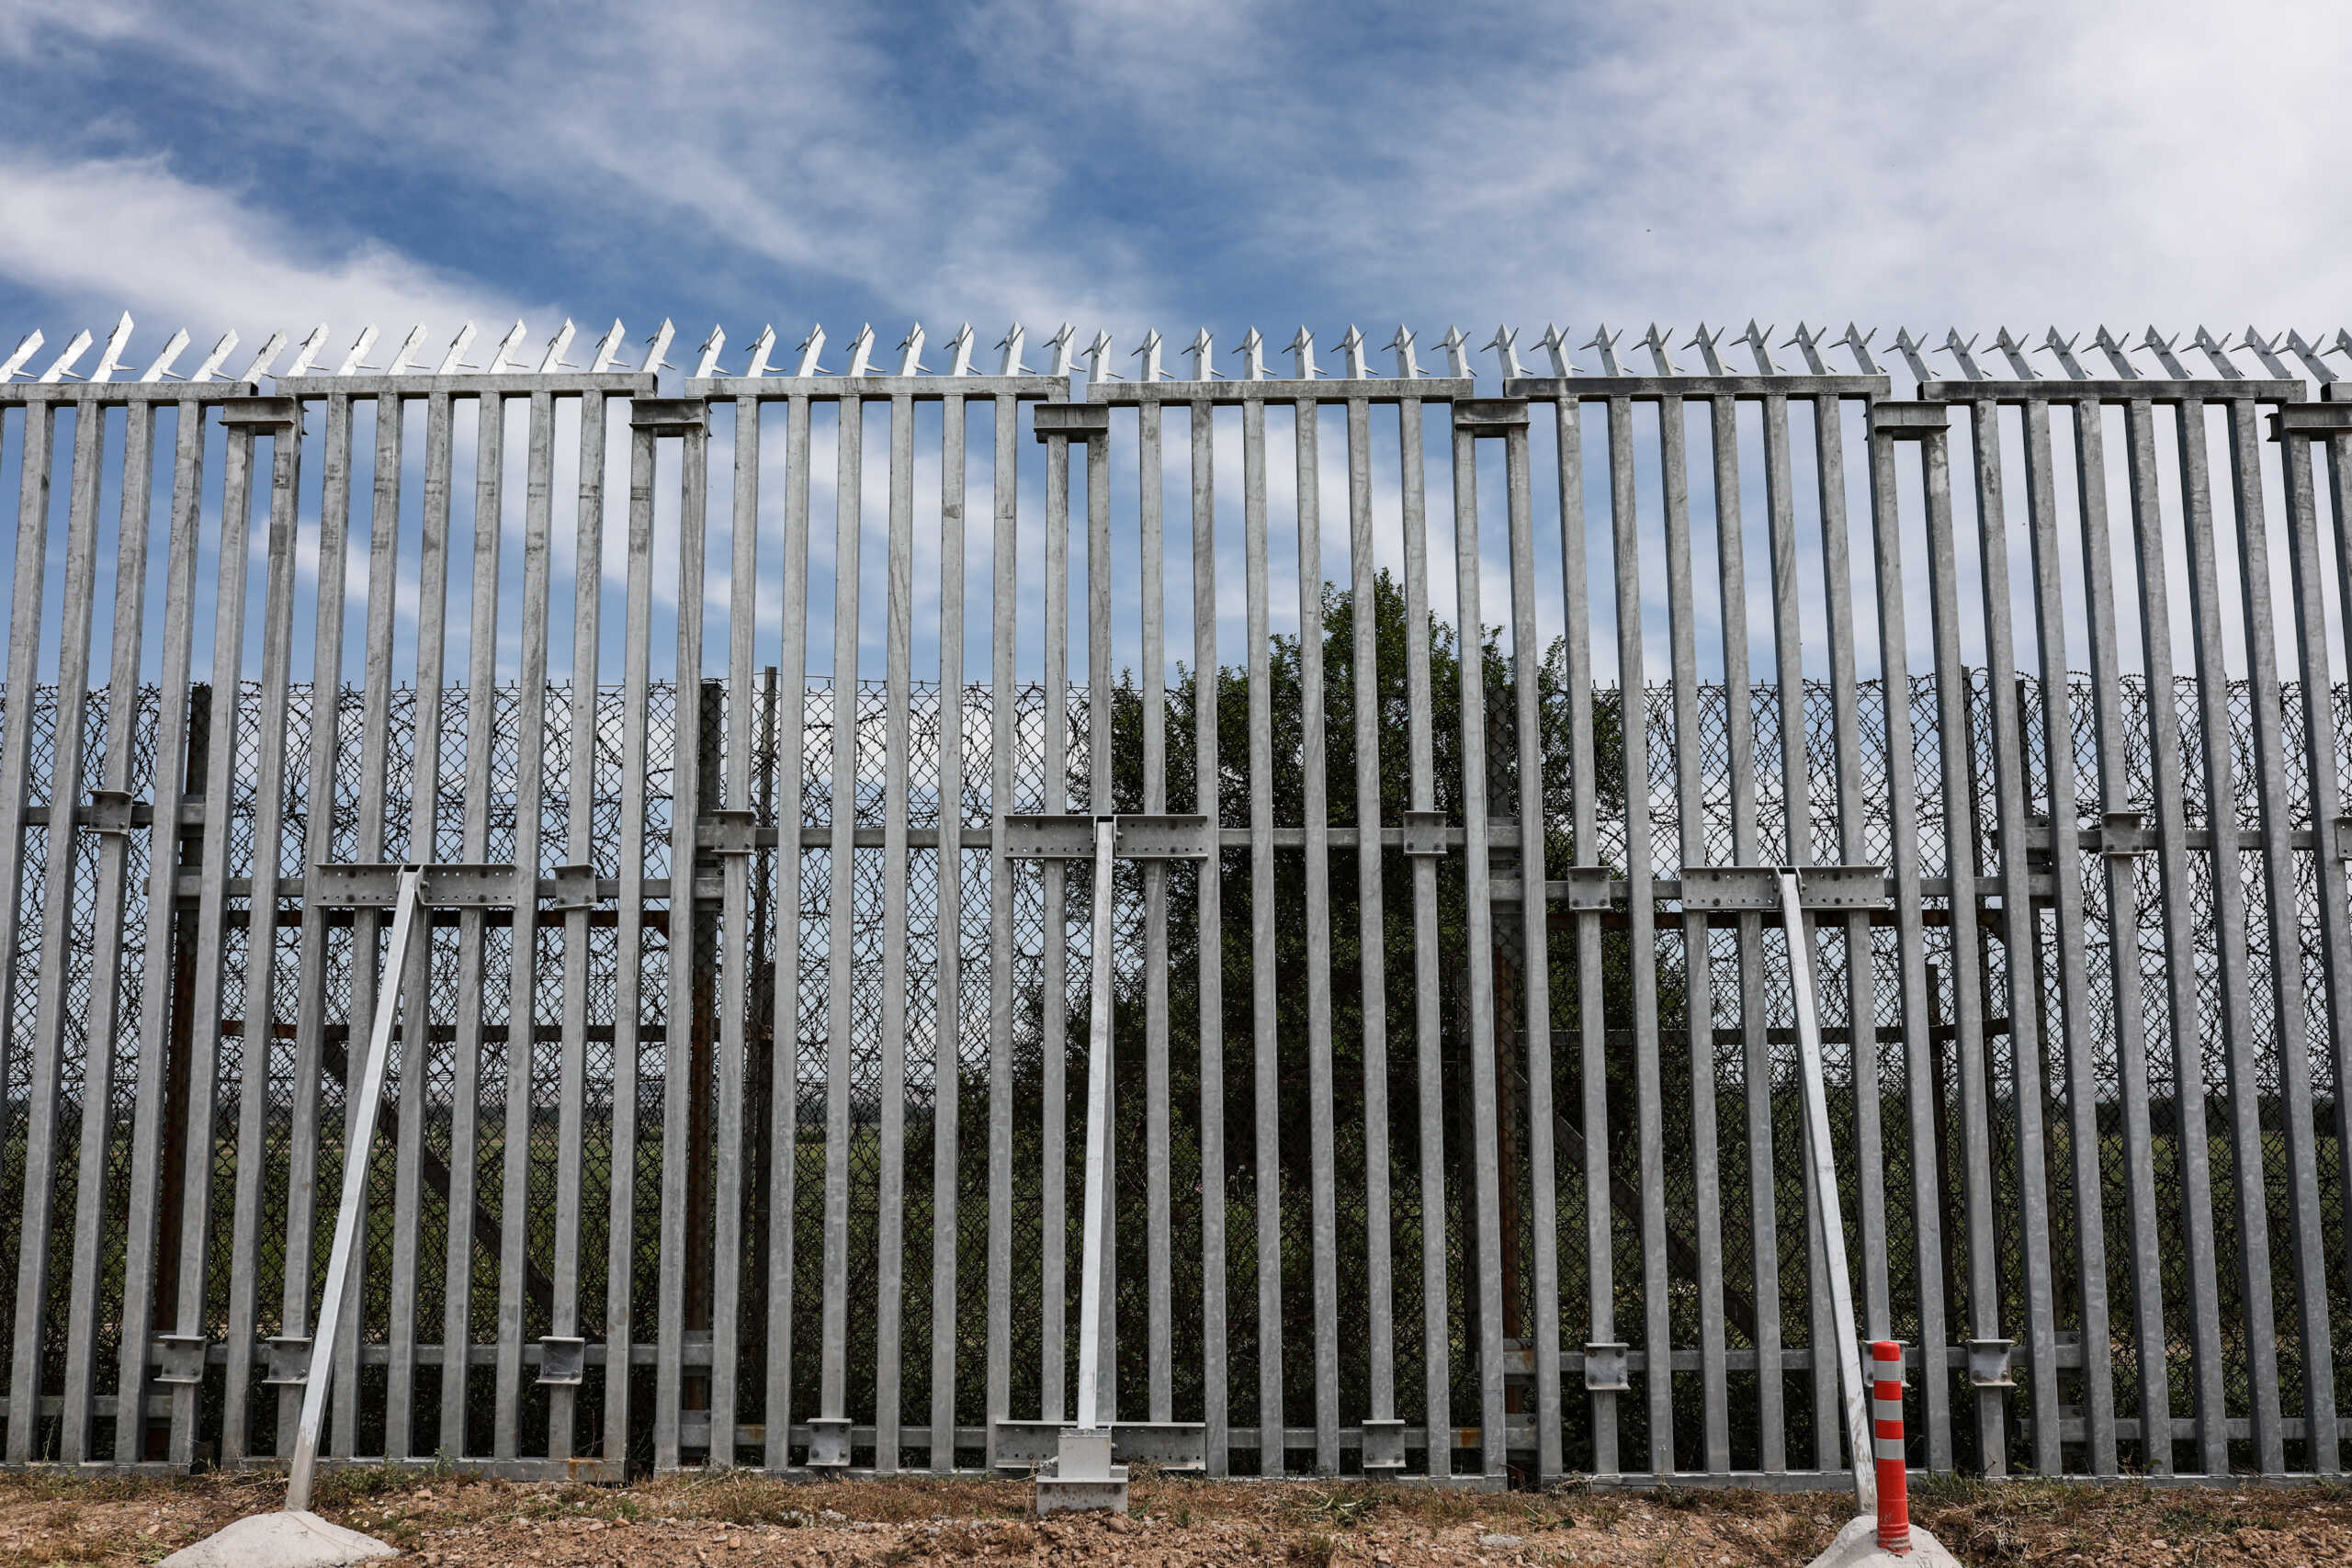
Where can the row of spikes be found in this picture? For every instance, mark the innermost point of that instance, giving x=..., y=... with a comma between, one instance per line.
x=1809, y=342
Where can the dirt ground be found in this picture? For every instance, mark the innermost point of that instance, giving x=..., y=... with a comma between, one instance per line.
x=447, y=1522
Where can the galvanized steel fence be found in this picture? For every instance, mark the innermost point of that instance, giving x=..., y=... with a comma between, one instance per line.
x=1457, y=1129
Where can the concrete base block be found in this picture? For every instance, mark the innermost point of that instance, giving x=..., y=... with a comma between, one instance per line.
x=1081, y=1477
x=1857, y=1547
x=293, y=1539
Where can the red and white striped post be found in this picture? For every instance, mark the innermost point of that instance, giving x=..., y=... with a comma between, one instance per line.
x=1886, y=1446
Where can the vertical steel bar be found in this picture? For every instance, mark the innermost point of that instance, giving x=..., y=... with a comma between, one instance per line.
x=2124, y=976
x=947, y=1036
x=2052, y=614
x=416, y=1033
x=637, y=650
x=1486, y=1168
x=1053, y=1205
x=1263, y=995
x=1921, y=1061
x=523, y=975
x=1314, y=809
x=2291, y=1034
x=1207, y=799
x=1641, y=928
x=792, y=728
x=579, y=849
x=898, y=653
x=259, y=1030
x=1099, y=699
x=2223, y=813
x=840, y=980
x=109, y=926
x=1739, y=734
x=1372, y=937
x=1159, y=1328
x=2183, y=965
x=1004, y=612
x=2020, y=927
x=1535, y=914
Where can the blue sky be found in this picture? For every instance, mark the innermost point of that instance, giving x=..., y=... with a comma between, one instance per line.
x=1170, y=165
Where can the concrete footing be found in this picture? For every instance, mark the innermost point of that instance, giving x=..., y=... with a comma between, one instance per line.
x=1081, y=1475
x=1857, y=1547
x=289, y=1539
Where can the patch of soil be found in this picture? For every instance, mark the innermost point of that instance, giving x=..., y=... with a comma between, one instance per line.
x=449, y=1521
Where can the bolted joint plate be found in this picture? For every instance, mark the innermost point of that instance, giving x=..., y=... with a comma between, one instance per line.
x=2307, y=420
x=575, y=888
x=1069, y=420
x=829, y=1442
x=1589, y=888
x=563, y=1358
x=451, y=885
x=260, y=413
x=1384, y=1445
x=670, y=416
x=1909, y=422
x=1425, y=833
x=181, y=1358
x=726, y=832
x=1136, y=835
x=1490, y=416
x=1757, y=887
x=1989, y=1363
x=109, y=811
x=287, y=1358
x=1606, y=1368
x=2123, y=834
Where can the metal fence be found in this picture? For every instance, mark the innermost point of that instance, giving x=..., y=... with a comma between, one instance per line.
x=1457, y=1129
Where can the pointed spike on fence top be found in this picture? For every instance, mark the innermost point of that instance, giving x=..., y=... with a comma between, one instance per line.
x=1758, y=340
x=1351, y=355
x=1203, y=348
x=1914, y=353
x=1554, y=343
x=707, y=355
x=1654, y=340
x=306, y=352
x=2213, y=349
x=1505, y=342
x=26, y=346
x=2310, y=355
x=657, y=348
x=861, y=353
x=220, y=351
x=2014, y=351
x=608, y=348
x=111, y=360
x=63, y=363
x=1604, y=343
x=2118, y=354
x=809, y=348
x=2266, y=352
x=1710, y=345
x=1148, y=352
x=910, y=351
x=1858, y=344
x=507, y=345
x=1011, y=343
x=409, y=344
x=351, y=366
x=163, y=362
x=2343, y=343
x=1253, y=354
x=1807, y=342
x=1964, y=353
x=756, y=365
x=2063, y=350
x=1457, y=352
x=1408, y=367
x=457, y=346
x=959, y=350
x=2162, y=348
x=1302, y=353
x=1098, y=352
x=1058, y=350
x=553, y=360
x=260, y=365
